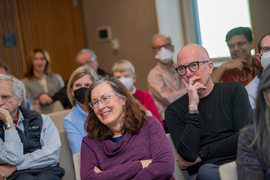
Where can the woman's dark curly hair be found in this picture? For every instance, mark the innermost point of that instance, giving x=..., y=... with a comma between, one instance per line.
x=135, y=114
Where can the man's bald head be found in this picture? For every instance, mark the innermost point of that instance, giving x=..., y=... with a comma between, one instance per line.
x=192, y=51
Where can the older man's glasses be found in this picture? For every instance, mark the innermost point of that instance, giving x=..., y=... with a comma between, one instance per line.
x=167, y=46
x=104, y=100
x=89, y=61
x=6, y=98
x=239, y=44
x=193, y=67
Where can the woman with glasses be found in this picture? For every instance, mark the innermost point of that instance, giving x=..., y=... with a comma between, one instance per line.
x=253, y=158
x=39, y=80
x=79, y=81
x=122, y=142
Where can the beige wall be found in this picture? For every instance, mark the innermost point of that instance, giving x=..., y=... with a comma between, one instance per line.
x=132, y=22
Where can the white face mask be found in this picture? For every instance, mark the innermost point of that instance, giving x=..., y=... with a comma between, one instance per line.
x=127, y=81
x=265, y=60
x=164, y=55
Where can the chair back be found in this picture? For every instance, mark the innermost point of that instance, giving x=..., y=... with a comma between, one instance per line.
x=66, y=160
x=228, y=171
x=46, y=109
x=77, y=164
x=58, y=117
x=178, y=174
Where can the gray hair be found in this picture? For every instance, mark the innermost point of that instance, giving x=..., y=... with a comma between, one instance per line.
x=18, y=86
x=157, y=35
x=123, y=65
x=84, y=51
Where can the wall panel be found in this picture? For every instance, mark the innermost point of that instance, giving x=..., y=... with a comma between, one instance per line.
x=55, y=26
x=9, y=24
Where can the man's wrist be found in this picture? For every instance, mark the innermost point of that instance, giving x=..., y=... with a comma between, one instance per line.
x=193, y=111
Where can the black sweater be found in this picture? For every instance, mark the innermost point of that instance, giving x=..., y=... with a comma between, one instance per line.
x=215, y=130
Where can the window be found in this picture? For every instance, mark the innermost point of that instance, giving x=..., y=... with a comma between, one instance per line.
x=215, y=19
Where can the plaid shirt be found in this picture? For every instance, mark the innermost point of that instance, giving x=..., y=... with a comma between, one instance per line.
x=165, y=86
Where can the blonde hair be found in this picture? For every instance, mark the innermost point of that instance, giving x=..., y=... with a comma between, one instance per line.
x=77, y=74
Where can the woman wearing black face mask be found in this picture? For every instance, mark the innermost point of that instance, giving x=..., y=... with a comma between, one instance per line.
x=79, y=81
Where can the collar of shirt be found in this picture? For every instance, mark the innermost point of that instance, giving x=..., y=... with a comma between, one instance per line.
x=260, y=73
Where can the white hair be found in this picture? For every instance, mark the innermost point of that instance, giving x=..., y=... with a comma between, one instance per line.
x=84, y=51
x=157, y=35
x=18, y=86
x=123, y=65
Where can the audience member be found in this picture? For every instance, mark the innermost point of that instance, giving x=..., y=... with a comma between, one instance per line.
x=86, y=57
x=122, y=142
x=125, y=72
x=204, y=123
x=263, y=56
x=79, y=81
x=253, y=158
x=4, y=69
x=29, y=141
x=244, y=67
x=163, y=83
x=40, y=83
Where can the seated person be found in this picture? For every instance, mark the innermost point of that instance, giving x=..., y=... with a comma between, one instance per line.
x=29, y=141
x=122, y=142
x=4, y=69
x=79, y=81
x=39, y=79
x=125, y=72
x=253, y=157
x=163, y=84
x=204, y=123
x=86, y=57
x=263, y=56
x=243, y=67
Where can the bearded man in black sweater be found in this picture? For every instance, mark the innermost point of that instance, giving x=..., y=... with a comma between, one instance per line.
x=204, y=123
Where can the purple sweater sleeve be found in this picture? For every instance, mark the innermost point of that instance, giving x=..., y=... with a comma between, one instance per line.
x=89, y=161
x=162, y=165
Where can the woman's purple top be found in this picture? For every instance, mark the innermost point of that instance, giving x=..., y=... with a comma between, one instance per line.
x=121, y=160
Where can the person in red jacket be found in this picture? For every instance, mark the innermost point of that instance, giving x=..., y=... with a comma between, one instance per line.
x=125, y=72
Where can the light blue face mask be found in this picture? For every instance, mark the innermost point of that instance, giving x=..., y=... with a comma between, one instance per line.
x=265, y=60
x=127, y=81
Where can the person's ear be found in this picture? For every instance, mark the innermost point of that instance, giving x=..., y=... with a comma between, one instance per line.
x=258, y=57
x=252, y=45
x=211, y=67
x=134, y=79
x=20, y=100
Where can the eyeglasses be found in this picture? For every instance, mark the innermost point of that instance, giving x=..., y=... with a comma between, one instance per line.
x=6, y=98
x=193, y=67
x=265, y=49
x=157, y=48
x=104, y=100
x=87, y=61
x=239, y=44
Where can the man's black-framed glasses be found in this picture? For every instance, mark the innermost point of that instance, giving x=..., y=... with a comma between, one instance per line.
x=193, y=67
